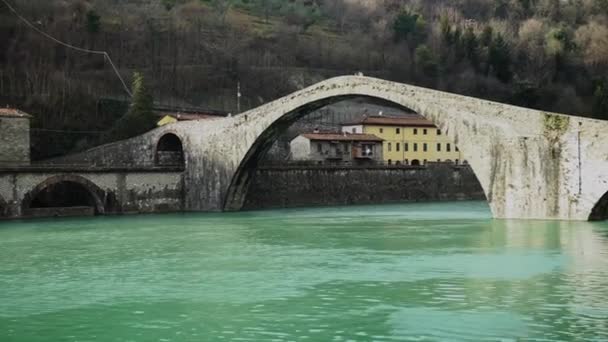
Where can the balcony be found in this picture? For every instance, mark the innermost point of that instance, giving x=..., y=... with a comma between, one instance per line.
x=361, y=153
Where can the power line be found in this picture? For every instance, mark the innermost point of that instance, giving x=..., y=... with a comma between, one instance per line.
x=103, y=53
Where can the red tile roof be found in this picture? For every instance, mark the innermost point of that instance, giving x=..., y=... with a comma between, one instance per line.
x=13, y=113
x=342, y=137
x=417, y=121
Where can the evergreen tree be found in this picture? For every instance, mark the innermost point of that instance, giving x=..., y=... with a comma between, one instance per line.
x=600, y=100
x=93, y=22
x=499, y=59
x=426, y=61
x=409, y=26
x=470, y=45
x=139, y=118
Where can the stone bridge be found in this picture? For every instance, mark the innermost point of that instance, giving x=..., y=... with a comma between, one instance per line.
x=531, y=164
x=78, y=190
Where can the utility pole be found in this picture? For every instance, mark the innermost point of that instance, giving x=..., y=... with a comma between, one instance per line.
x=238, y=97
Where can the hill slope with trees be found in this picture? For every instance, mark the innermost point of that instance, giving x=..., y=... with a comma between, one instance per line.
x=545, y=54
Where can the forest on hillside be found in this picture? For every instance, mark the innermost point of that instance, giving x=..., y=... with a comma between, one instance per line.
x=545, y=54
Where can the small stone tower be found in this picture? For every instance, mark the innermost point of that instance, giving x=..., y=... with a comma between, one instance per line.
x=14, y=137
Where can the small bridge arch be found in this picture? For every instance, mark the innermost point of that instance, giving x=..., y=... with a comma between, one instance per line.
x=65, y=191
x=169, y=150
x=3, y=208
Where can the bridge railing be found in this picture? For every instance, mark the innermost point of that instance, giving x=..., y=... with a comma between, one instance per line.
x=87, y=166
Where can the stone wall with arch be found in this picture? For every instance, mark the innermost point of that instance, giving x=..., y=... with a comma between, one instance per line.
x=112, y=192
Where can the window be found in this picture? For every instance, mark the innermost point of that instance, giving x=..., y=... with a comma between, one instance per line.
x=438, y=147
x=367, y=150
x=398, y=130
x=319, y=147
x=406, y=147
x=406, y=162
x=415, y=131
x=389, y=147
x=397, y=147
x=439, y=160
x=438, y=132
x=390, y=161
x=456, y=147
x=448, y=147
x=415, y=147
x=381, y=130
x=424, y=131
x=456, y=161
x=354, y=130
x=424, y=162
x=425, y=147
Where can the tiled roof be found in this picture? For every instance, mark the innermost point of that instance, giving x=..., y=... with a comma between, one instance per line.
x=13, y=113
x=416, y=121
x=342, y=137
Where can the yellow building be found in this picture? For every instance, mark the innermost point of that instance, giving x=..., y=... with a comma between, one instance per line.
x=408, y=140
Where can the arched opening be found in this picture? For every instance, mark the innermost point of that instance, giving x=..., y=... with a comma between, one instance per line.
x=236, y=193
x=3, y=208
x=169, y=151
x=64, y=196
x=600, y=211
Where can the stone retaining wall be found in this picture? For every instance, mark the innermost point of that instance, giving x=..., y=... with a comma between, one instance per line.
x=316, y=186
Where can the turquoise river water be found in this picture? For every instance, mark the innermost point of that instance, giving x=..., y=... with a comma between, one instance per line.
x=411, y=272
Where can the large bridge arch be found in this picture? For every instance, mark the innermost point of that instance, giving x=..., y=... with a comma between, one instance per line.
x=95, y=195
x=600, y=209
x=239, y=185
x=531, y=164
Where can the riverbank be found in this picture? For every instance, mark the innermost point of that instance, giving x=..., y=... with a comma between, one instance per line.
x=315, y=185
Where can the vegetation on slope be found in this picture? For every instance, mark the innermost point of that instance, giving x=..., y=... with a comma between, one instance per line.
x=546, y=54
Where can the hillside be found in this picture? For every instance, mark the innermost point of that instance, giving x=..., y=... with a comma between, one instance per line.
x=546, y=54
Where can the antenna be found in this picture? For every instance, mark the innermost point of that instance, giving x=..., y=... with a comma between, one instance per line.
x=238, y=97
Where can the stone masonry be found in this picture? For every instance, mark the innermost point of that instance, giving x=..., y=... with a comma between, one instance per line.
x=531, y=164
x=14, y=137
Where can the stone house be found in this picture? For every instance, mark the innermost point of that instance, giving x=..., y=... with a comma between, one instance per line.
x=14, y=137
x=337, y=148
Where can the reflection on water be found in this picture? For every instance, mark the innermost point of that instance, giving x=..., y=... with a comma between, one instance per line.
x=370, y=273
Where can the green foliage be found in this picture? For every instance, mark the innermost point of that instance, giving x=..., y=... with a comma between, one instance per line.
x=600, y=99
x=300, y=15
x=409, y=26
x=169, y=4
x=499, y=59
x=471, y=46
x=486, y=36
x=501, y=9
x=601, y=6
x=525, y=94
x=93, y=22
x=555, y=125
x=426, y=60
x=139, y=118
